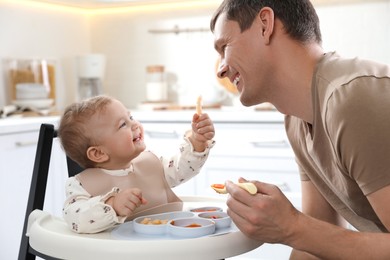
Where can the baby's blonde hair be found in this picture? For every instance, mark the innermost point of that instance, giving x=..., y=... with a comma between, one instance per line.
x=73, y=131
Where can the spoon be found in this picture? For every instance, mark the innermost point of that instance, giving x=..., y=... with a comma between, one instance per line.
x=248, y=186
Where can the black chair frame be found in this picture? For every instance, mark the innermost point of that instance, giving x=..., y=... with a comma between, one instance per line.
x=39, y=178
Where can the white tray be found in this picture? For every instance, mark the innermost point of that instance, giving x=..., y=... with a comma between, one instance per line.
x=50, y=235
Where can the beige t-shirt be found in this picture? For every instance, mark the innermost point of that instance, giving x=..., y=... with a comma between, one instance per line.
x=346, y=152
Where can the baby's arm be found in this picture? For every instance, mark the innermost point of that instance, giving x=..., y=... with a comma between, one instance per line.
x=186, y=164
x=193, y=153
x=87, y=214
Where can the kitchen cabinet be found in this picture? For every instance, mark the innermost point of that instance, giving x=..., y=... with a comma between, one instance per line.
x=18, y=141
x=16, y=160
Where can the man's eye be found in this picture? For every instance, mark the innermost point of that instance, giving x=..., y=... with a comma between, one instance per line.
x=222, y=50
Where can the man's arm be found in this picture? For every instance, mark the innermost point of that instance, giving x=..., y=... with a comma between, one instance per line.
x=315, y=205
x=379, y=201
x=331, y=242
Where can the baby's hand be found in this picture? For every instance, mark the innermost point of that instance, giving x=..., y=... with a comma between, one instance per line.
x=126, y=201
x=202, y=131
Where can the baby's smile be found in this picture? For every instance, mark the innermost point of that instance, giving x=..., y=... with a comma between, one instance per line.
x=137, y=138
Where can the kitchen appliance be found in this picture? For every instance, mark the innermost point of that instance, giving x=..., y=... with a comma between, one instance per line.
x=90, y=72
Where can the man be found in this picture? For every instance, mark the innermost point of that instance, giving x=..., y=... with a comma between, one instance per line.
x=337, y=123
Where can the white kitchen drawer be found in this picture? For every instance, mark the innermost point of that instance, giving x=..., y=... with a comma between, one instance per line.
x=253, y=163
x=164, y=138
x=252, y=140
x=17, y=141
x=17, y=153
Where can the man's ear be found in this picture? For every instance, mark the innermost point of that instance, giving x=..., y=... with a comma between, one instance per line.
x=96, y=154
x=267, y=20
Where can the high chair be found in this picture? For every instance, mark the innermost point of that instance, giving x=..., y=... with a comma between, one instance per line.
x=49, y=237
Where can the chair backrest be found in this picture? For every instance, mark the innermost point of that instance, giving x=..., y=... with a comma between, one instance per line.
x=39, y=178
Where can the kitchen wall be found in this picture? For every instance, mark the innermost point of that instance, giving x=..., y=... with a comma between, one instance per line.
x=41, y=31
x=361, y=29
x=189, y=58
x=34, y=30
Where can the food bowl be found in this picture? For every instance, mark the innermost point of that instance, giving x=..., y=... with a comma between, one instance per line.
x=191, y=227
x=206, y=209
x=221, y=219
x=157, y=224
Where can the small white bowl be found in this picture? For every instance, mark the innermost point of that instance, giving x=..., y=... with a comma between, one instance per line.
x=157, y=229
x=206, y=209
x=31, y=91
x=191, y=227
x=221, y=219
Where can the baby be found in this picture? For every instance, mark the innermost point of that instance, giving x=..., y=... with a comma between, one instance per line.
x=121, y=179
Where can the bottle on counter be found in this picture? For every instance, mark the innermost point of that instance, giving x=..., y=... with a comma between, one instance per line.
x=156, y=84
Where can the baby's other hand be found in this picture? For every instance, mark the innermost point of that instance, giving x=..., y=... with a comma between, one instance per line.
x=202, y=131
x=126, y=201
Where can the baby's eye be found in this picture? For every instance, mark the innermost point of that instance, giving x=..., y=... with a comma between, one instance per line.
x=131, y=118
x=122, y=125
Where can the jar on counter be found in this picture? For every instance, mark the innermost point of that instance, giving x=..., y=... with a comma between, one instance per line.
x=156, y=85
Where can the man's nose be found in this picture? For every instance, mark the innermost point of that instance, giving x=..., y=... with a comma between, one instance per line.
x=222, y=70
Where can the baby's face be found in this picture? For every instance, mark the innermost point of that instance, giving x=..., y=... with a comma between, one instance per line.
x=118, y=134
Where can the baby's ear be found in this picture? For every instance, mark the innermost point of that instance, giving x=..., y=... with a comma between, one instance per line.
x=96, y=154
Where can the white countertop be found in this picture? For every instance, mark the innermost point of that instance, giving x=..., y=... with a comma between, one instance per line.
x=12, y=125
x=24, y=124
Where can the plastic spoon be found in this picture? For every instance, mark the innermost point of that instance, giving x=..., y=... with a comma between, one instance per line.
x=248, y=186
